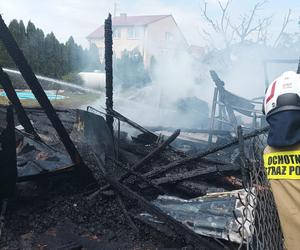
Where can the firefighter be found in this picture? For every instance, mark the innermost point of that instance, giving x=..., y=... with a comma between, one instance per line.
x=282, y=154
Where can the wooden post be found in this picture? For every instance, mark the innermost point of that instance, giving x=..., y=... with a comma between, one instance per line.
x=212, y=116
x=109, y=71
x=14, y=99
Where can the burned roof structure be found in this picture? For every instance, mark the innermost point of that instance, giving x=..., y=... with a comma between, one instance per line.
x=227, y=104
x=110, y=191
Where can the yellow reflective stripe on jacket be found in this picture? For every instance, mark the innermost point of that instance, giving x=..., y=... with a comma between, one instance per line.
x=283, y=165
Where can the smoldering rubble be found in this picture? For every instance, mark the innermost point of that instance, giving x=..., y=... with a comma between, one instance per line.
x=152, y=185
x=76, y=179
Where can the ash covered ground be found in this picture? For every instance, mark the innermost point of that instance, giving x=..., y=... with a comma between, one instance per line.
x=69, y=212
x=61, y=212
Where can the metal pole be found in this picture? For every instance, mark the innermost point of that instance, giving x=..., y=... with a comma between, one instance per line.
x=109, y=71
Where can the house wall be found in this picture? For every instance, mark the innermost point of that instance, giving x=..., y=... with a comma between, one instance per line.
x=126, y=43
x=123, y=42
x=163, y=38
x=157, y=39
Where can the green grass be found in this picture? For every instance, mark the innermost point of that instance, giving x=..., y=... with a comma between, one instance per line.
x=73, y=100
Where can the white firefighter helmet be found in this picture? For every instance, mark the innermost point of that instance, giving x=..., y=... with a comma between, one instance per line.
x=283, y=94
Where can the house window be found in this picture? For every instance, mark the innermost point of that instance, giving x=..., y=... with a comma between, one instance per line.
x=169, y=36
x=117, y=33
x=133, y=33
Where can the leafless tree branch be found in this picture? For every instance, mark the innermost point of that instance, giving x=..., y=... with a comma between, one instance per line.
x=245, y=28
x=286, y=21
x=214, y=24
x=262, y=33
x=207, y=37
x=222, y=26
x=248, y=27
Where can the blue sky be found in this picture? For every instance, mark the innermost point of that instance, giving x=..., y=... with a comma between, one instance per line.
x=79, y=18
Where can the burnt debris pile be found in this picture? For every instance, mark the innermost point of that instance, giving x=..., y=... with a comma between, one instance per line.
x=74, y=179
x=137, y=184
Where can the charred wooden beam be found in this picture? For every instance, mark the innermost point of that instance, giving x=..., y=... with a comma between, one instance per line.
x=27, y=73
x=198, y=156
x=126, y=214
x=8, y=157
x=194, y=173
x=189, y=130
x=142, y=178
x=2, y=214
x=219, y=83
x=137, y=166
x=212, y=116
x=228, y=182
x=192, y=189
x=230, y=112
x=24, y=134
x=200, y=242
x=14, y=99
x=147, y=158
x=221, y=91
x=133, y=124
x=108, y=40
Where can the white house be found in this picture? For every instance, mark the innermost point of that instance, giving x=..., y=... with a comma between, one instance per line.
x=154, y=36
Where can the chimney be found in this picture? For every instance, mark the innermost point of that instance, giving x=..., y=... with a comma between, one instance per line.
x=123, y=16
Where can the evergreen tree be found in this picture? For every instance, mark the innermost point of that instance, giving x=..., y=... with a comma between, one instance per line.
x=46, y=55
x=92, y=56
x=30, y=48
x=130, y=70
x=52, y=49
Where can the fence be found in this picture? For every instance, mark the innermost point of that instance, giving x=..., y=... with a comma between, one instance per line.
x=260, y=226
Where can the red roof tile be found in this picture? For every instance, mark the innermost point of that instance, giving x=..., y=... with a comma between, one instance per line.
x=98, y=33
x=124, y=20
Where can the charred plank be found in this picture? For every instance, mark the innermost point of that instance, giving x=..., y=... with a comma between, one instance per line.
x=137, y=166
x=194, y=173
x=198, y=156
x=152, y=137
x=126, y=214
x=14, y=99
x=8, y=158
x=192, y=189
x=200, y=242
x=142, y=178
